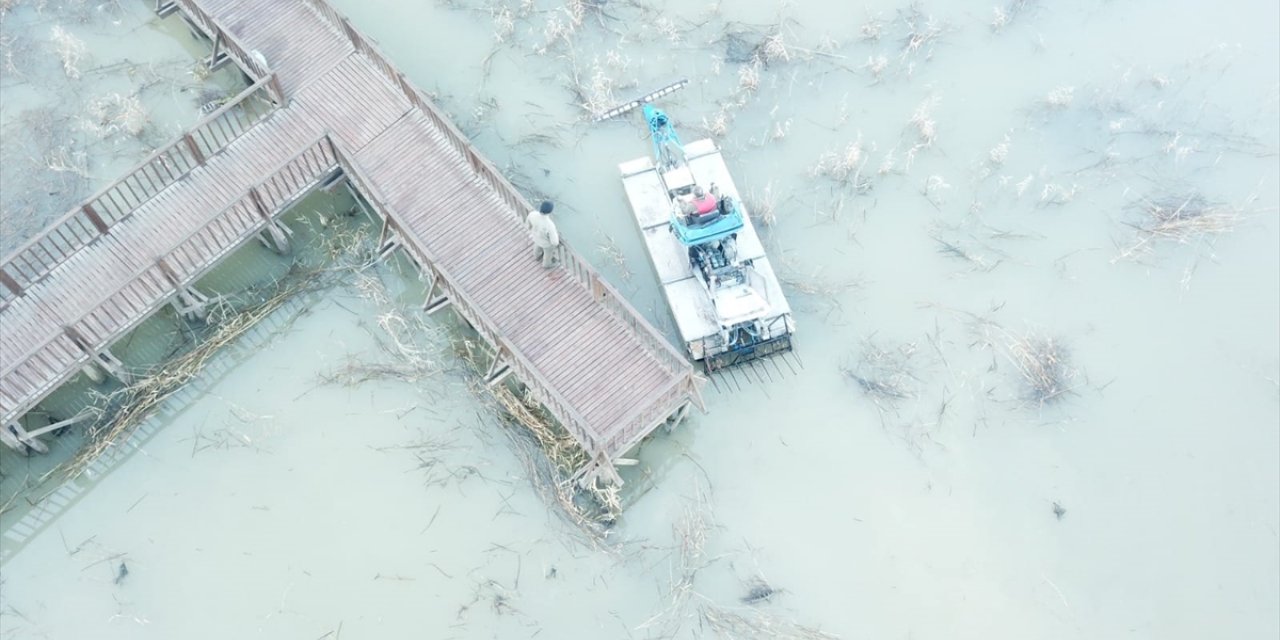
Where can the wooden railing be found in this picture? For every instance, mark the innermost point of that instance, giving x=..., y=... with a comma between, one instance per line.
x=81, y=226
x=283, y=185
x=520, y=365
x=226, y=42
x=193, y=256
x=582, y=271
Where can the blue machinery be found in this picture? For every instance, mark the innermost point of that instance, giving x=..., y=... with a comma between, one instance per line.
x=711, y=242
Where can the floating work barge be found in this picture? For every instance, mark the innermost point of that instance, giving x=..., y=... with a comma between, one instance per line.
x=716, y=331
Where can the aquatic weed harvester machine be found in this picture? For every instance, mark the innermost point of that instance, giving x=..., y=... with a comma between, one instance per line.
x=722, y=291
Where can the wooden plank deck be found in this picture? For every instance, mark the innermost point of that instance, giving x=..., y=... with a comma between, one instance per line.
x=594, y=362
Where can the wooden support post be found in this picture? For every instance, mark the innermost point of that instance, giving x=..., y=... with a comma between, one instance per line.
x=498, y=369
x=91, y=370
x=336, y=180
x=275, y=237
x=165, y=8
x=17, y=438
x=679, y=417
x=62, y=424
x=98, y=222
x=388, y=240
x=190, y=302
x=217, y=58
x=101, y=363
x=435, y=302
x=355, y=195
x=386, y=231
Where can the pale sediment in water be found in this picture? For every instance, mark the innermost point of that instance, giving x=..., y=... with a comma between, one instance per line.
x=1053, y=436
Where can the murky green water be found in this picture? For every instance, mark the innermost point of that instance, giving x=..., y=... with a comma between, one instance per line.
x=937, y=201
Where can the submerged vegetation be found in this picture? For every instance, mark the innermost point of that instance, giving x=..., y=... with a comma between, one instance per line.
x=82, y=113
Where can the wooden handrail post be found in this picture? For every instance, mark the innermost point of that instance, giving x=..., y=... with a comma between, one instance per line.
x=195, y=149
x=213, y=56
x=597, y=290
x=9, y=283
x=78, y=338
x=276, y=91
x=96, y=219
x=169, y=273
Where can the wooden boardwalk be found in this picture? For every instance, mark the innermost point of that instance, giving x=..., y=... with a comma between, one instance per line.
x=326, y=104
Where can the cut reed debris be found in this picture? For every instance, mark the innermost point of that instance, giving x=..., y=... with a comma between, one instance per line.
x=1182, y=219
x=1043, y=364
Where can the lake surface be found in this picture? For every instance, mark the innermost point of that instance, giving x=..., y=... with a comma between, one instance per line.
x=941, y=187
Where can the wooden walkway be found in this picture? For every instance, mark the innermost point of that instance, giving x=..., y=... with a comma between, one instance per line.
x=325, y=103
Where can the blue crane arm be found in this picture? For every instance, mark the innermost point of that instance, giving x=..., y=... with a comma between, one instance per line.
x=667, y=148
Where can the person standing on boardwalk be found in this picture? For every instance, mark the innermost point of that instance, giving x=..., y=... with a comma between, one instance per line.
x=545, y=236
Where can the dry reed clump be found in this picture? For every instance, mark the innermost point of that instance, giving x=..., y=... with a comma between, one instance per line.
x=69, y=49
x=504, y=23
x=876, y=66
x=1060, y=97
x=1183, y=219
x=561, y=25
x=116, y=113
x=774, y=49
x=597, y=93
x=1043, y=364
x=762, y=206
x=885, y=375
x=872, y=28
x=718, y=125
x=922, y=119
x=999, y=153
x=845, y=167
x=933, y=189
x=755, y=624
x=1003, y=16
x=749, y=78
x=922, y=31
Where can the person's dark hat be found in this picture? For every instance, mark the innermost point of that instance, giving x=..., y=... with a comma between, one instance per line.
x=546, y=206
